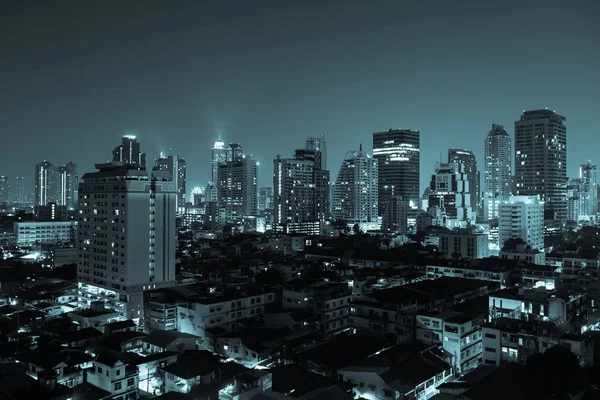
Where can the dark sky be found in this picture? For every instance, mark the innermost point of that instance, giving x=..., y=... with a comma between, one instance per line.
x=76, y=75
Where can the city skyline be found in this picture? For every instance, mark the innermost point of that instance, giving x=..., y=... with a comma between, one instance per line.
x=168, y=106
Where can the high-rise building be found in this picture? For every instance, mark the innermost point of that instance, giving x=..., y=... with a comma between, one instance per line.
x=176, y=167
x=234, y=152
x=265, y=198
x=541, y=160
x=237, y=188
x=181, y=183
x=128, y=152
x=197, y=196
x=574, y=199
x=497, y=172
x=355, y=190
x=398, y=154
x=588, y=191
x=467, y=159
x=522, y=217
x=67, y=182
x=4, y=189
x=219, y=156
x=126, y=235
x=45, y=184
x=301, y=190
x=450, y=196
x=318, y=144
x=18, y=191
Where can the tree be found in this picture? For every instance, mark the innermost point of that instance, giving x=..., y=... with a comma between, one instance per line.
x=555, y=373
x=512, y=243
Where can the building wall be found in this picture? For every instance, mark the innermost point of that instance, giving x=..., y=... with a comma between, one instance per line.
x=30, y=233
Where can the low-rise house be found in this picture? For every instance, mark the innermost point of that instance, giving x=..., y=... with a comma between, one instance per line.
x=110, y=373
x=247, y=385
x=192, y=368
x=66, y=365
x=159, y=341
x=79, y=338
x=95, y=316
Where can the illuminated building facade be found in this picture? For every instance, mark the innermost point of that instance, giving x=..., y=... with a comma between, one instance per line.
x=18, y=191
x=128, y=152
x=126, y=236
x=355, y=191
x=4, y=189
x=45, y=183
x=67, y=182
x=522, y=217
x=467, y=159
x=450, y=195
x=397, y=152
x=176, y=167
x=541, y=160
x=237, y=188
x=265, y=198
x=219, y=156
x=588, y=192
x=497, y=172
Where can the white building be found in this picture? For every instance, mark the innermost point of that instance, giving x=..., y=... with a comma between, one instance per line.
x=34, y=232
x=127, y=236
x=464, y=243
x=522, y=217
x=497, y=176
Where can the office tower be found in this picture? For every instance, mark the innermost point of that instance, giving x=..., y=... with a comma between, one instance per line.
x=176, y=167
x=126, y=235
x=450, y=196
x=301, y=191
x=219, y=156
x=44, y=183
x=466, y=158
x=497, y=172
x=355, y=190
x=318, y=144
x=128, y=152
x=234, y=152
x=237, y=188
x=265, y=198
x=18, y=191
x=574, y=199
x=522, y=217
x=52, y=212
x=197, y=196
x=4, y=189
x=541, y=160
x=398, y=156
x=211, y=192
x=181, y=182
x=67, y=182
x=588, y=191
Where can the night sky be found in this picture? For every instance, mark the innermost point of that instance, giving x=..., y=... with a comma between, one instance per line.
x=77, y=75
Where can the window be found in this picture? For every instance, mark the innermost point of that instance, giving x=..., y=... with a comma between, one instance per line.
x=118, y=386
x=490, y=335
x=119, y=372
x=99, y=370
x=490, y=349
x=130, y=382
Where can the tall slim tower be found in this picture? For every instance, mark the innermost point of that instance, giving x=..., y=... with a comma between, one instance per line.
x=398, y=154
x=318, y=144
x=4, y=189
x=219, y=156
x=355, y=190
x=67, y=182
x=466, y=158
x=588, y=191
x=44, y=183
x=497, y=171
x=541, y=160
x=19, y=190
x=181, y=182
x=265, y=198
x=237, y=188
x=128, y=152
x=135, y=235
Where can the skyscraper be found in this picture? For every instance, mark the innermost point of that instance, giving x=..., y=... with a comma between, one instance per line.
x=541, y=160
x=128, y=152
x=301, y=190
x=467, y=159
x=265, y=198
x=234, y=152
x=355, y=191
x=398, y=154
x=237, y=188
x=134, y=233
x=318, y=144
x=67, y=182
x=4, y=189
x=219, y=156
x=44, y=183
x=181, y=182
x=19, y=190
x=497, y=172
x=450, y=196
x=588, y=191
